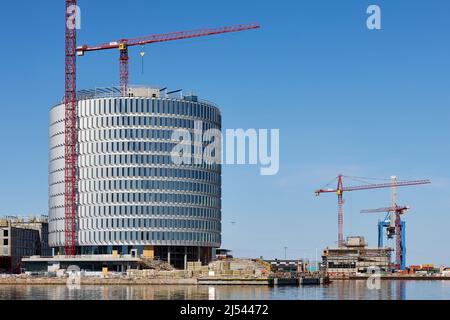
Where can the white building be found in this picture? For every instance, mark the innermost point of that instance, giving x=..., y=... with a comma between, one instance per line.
x=131, y=196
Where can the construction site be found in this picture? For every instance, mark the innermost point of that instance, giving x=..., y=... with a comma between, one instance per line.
x=121, y=211
x=116, y=198
x=353, y=258
x=138, y=264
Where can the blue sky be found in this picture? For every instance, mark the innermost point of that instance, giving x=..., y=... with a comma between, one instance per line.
x=346, y=100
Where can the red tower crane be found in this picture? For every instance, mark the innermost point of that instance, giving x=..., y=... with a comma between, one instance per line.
x=70, y=100
x=70, y=134
x=340, y=189
x=123, y=45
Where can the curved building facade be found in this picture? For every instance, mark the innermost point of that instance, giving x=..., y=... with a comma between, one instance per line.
x=131, y=194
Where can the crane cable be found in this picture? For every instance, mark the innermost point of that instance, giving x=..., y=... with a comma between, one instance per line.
x=142, y=54
x=329, y=183
x=364, y=179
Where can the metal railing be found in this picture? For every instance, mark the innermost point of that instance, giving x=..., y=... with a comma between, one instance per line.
x=14, y=220
x=115, y=92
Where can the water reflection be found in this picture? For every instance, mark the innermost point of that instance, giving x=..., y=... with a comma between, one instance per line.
x=338, y=290
x=400, y=290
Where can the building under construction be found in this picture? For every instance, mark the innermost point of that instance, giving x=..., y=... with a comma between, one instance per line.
x=132, y=195
x=355, y=258
x=22, y=237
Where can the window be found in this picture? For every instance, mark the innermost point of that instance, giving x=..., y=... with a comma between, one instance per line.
x=5, y=242
x=5, y=233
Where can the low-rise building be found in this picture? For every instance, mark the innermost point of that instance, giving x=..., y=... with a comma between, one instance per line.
x=22, y=238
x=287, y=266
x=356, y=258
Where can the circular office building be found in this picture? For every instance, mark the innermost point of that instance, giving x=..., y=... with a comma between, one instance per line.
x=132, y=196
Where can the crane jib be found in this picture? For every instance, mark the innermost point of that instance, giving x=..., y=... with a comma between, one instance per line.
x=388, y=185
x=123, y=45
x=169, y=37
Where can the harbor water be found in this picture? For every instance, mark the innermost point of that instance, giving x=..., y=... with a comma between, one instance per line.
x=338, y=290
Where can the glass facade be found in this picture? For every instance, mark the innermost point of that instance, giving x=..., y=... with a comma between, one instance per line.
x=130, y=193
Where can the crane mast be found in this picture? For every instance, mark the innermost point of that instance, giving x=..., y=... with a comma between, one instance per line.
x=339, y=192
x=70, y=134
x=393, y=200
x=124, y=69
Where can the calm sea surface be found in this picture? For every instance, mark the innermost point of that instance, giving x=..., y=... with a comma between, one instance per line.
x=390, y=290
